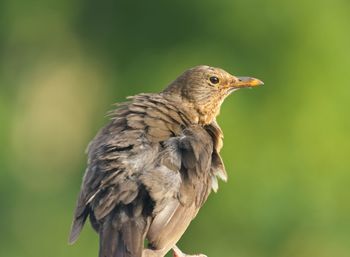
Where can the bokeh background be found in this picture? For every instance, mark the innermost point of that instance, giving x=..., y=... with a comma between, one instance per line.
x=63, y=63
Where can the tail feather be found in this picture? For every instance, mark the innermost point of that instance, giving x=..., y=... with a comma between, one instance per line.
x=122, y=235
x=111, y=244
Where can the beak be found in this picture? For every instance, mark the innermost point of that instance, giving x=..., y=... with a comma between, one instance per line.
x=247, y=82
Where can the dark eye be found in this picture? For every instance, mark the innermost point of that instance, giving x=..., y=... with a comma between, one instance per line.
x=214, y=80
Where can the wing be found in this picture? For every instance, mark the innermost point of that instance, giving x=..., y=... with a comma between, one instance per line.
x=120, y=152
x=185, y=163
x=106, y=182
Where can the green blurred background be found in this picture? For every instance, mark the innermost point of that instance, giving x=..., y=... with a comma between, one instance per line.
x=63, y=63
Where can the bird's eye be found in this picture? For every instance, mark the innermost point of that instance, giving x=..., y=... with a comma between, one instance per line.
x=214, y=79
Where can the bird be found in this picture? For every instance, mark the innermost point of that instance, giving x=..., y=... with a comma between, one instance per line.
x=153, y=166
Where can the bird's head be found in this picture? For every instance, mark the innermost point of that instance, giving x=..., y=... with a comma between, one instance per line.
x=204, y=88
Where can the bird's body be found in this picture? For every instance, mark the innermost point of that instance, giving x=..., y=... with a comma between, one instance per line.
x=152, y=168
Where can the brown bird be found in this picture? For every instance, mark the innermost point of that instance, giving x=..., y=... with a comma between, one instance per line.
x=152, y=167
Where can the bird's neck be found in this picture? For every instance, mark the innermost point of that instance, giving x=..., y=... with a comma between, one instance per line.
x=202, y=113
x=207, y=111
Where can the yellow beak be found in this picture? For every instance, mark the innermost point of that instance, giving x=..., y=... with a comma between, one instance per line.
x=247, y=82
